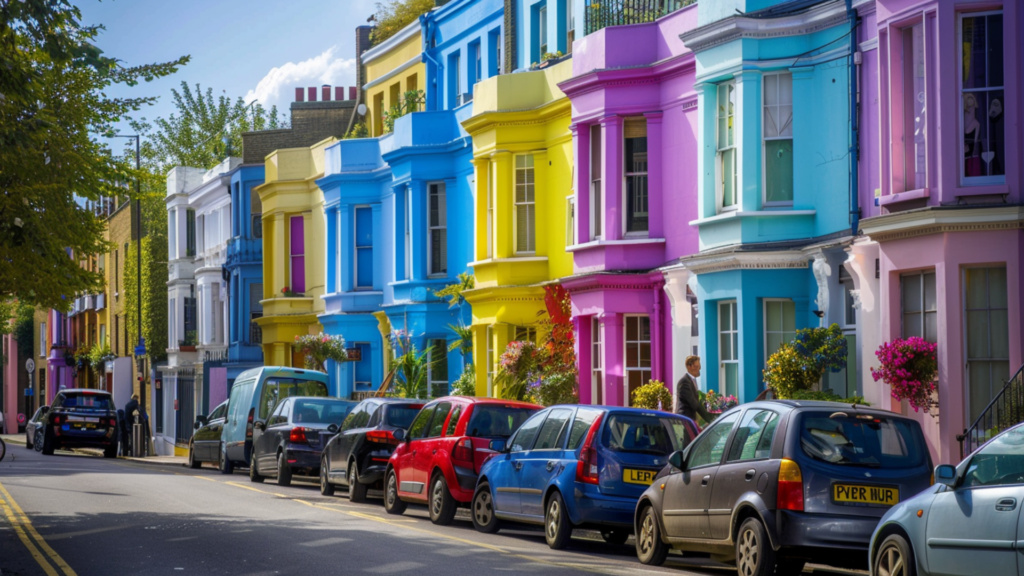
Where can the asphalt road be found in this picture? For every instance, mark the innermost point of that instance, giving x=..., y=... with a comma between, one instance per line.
x=84, y=515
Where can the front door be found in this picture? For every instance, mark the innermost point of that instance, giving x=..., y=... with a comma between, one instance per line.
x=543, y=462
x=987, y=333
x=688, y=493
x=746, y=460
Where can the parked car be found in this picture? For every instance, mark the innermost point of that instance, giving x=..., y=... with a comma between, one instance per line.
x=440, y=455
x=772, y=485
x=205, y=442
x=290, y=440
x=34, y=427
x=577, y=466
x=253, y=397
x=357, y=456
x=80, y=418
x=967, y=523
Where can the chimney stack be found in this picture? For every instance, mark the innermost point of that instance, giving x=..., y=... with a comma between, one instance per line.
x=300, y=95
x=353, y=91
x=311, y=91
x=325, y=90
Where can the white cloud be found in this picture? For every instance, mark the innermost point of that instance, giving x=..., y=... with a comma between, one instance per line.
x=278, y=86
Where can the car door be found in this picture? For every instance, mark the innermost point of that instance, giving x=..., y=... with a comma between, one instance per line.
x=340, y=447
x=507, y=487
x=746, y=460
x=216, y=426
x=432, y=442
x=688, y=493
x=543, y=462
x=203, y=439
x=976, y=525
x=265, y=445
x=409, y=481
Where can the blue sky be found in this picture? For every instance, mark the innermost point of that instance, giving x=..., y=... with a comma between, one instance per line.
x=259, y=49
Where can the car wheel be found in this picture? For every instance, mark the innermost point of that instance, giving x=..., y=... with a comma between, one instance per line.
x=789, y=566
x=754, y=554
x=615, y=537
x=484, y=519
x=192, y=462
x=284, y=470
x=254, y=472
x=356, y=489
x=224, y=465
x=442, y=504
x=326, y=488
x=650, y=549
x=557, y=526
x=894, y=558
x=392, y=503
x=38, y=441
x=48, y=444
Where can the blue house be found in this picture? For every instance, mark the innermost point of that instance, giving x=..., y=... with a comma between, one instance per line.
x=774, y=175
x=544, y=27
x=244, y=269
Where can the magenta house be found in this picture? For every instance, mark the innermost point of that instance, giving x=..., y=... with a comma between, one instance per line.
x=635, y=136
x=941, y=254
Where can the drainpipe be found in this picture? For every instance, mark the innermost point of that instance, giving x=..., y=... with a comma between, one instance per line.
x=433, y=81
x=427, y=40
x=854, y=64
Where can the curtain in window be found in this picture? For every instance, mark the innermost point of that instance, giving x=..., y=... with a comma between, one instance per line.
x=298, y=251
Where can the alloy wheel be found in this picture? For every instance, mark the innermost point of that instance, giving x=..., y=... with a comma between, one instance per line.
x=392, y=492
x=554, y=515
x=323, y=475
x=437, y=498
x=483, y=508
x=746, y=561
x=646, y=537
x=891, y=563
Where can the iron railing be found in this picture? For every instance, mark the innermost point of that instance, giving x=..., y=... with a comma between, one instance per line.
x=185, y=415
x=604, y=13
x=255, y=332
x=1005, y=410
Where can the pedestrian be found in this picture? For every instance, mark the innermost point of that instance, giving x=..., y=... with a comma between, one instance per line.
x=124, y=435
x=130, y=409
x=686, y=393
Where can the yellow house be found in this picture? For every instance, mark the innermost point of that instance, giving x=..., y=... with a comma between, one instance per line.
x=393, y=67
x=522, y=151
x=293, y=250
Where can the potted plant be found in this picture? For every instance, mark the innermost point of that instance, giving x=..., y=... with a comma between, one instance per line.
x=547, y=58
x=653, y=396
x=189, y=343
x=289, y=294
x=909, y=366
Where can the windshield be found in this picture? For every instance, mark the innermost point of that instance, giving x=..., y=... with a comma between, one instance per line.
x=84, y=400
x=647, y=434
x=277, y=389
x=497, y=421
x=999, y=462
x=862, y=440
x=401, y=415
x=320, y=411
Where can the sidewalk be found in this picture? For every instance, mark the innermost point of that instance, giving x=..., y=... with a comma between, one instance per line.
x=165, y=460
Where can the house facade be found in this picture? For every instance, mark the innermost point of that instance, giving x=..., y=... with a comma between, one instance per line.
x=244, y=270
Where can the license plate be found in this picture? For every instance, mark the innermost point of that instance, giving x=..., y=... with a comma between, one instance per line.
x=860, y=494
x=632, y=476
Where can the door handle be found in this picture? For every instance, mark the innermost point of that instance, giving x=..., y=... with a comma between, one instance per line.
x=750, y=474
x=1006, y=504
x=551, y=465
x=704, y=481
x=434, y=452
x=517, y=465
x=413, y=452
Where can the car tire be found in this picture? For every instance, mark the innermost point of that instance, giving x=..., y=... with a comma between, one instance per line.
x=38, y=442
x=326, y=488
x=789, y=566
x=356, y=489
x=482, y=510
x=392, y=503
x=223, y=464
x=111, y=451
x=192, y=462
x=650, y=548
x=29, y=444
x=442, y=504
x=254, y=472
x=894, y=552
x=557, y=526
x=754, y=553
x=284, y=470
x=615, y=537
x=48, y=444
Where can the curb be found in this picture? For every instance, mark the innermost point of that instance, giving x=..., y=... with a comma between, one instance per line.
x=99, y=453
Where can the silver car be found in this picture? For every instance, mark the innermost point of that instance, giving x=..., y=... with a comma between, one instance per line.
x=967, y=523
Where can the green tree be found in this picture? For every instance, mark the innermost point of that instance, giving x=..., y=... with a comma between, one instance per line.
x=392, y=16
x=52, y=104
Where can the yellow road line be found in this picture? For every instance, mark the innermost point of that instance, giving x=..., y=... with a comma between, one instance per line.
x=254, y=489
x=21, y=523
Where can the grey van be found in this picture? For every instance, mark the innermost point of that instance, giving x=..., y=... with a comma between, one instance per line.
x=253, y=397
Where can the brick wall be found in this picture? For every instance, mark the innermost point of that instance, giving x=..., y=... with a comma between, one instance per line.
x=311, y=122
x=119, y=229
x=510, y=36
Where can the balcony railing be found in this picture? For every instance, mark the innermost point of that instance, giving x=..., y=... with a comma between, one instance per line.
x=255, y=332
x=1004, y=411
x=604, y=13
x=243, y=251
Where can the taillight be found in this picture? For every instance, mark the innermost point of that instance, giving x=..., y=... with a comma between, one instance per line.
x=587, y=470
x=297, y=434
x=463, y=451
x=791, y=487
x=56, y=420
x=248, y=424
x=381, y=437
x=112, y=422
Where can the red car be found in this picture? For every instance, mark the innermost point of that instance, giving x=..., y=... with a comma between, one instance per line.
x=441, y=453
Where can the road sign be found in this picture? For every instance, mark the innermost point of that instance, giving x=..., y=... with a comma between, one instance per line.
x=30, y=365
x=21, y=418
x=140, y=350
x=30, y=392
x=354, y=354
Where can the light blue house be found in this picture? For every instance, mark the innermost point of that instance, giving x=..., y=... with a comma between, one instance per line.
x=543, y=27
x=775, y=170
x=243, y=267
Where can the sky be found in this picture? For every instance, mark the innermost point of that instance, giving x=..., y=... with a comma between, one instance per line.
x=257, y=49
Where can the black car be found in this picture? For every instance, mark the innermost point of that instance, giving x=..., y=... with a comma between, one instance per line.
x=33, y=427
x=357, y=456
x=772, y=485
x=292, y=437
x=205, y=443
x=80, y=418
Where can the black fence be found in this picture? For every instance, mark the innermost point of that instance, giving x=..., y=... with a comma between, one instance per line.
x=1004, y=411
x=604, y=13
x=185, y=413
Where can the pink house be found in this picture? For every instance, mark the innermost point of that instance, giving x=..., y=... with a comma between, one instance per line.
x=634, y=120
x=942, y=250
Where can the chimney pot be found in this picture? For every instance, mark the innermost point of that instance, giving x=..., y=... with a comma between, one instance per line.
x=352, y=92
x=325, y=90
x=339, y=93
x=300, y=95
x=311, y=91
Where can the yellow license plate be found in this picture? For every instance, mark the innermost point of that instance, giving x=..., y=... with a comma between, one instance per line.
x=858, y=494
x=631, y=476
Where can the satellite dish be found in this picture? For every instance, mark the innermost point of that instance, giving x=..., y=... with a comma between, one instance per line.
x=361, y=109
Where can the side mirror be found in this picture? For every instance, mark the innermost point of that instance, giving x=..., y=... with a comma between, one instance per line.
x=259, y=425
x=945, y=474
x=45, y=409
x=333, y=428
x=399, y=435
x=498, y=445
x=677, y=461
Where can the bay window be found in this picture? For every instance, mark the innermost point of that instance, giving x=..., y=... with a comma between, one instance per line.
x=778, y=139
x=982, y=98
x=595, y=182
x=726, y=143
x=915, y=124
x=635, y=169
x=297, y=255
x=728, y=340
x=919, y=306
x=596, y=368
x=638, y=354
x=363, y=260
x=779, y=325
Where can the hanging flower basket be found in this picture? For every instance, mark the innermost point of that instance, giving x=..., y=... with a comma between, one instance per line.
x=909, y=367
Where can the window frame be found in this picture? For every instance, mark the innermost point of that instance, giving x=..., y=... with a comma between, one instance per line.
x=292, y=255
x=625, y=353
x=595, y=184
x=704, y=437
x=532, y=207
x=431, y=343
x=775, y=416
x=561, y=431
x=596, y=362
x=720, y=153
x=964, y=180
x=765, y=139
x=764, y=323
x=442, y=227
x=542, y=31
x=490, y=363
x=733, y=343
x=627, y=209
x=923, y=312
x=907, y=116
x=356, y=286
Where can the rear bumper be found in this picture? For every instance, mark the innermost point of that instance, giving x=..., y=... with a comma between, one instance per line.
x=825, y=538
x=596, y=509
x=373, y=473
x=304, y=458
x=84, y=439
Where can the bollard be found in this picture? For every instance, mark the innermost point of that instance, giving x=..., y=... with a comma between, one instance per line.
x=137, y=439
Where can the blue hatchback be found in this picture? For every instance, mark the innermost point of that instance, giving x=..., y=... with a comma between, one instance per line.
x=577, y=466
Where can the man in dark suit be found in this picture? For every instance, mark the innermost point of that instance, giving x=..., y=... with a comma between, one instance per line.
x=686, y=391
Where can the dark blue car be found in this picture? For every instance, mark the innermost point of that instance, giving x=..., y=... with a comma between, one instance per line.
x=577, y=466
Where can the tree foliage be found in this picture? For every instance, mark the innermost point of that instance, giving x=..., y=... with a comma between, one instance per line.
x=52, y=103
x=394, y=15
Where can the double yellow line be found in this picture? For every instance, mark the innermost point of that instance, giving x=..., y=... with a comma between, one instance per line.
x=47, y=558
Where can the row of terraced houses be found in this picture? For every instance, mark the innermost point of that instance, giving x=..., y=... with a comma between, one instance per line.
x=702, y=178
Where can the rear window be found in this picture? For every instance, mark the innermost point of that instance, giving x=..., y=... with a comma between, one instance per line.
x=94, y=401
x=496, y=421
x=646, y=434
x=320, y=411
x=862, y=440
x=401, y=415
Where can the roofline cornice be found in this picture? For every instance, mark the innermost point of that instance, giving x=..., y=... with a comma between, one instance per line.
x=821, y=17
x=391, y=43
x=653, y=72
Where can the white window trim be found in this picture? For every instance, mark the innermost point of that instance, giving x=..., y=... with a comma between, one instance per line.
x=722, y=388
x=974, y=180
x=924, y=324
x=42, y=340
x=625, y=347
x=596, y=360
x=719, y=169
x=847, y=288
x=764, y=323
x=430, y=229
x=408, y=233
x=624, y=193
x=765, y=139
x=515, y=217
x=355, y=249
x=542, y=31
x=596, y=196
